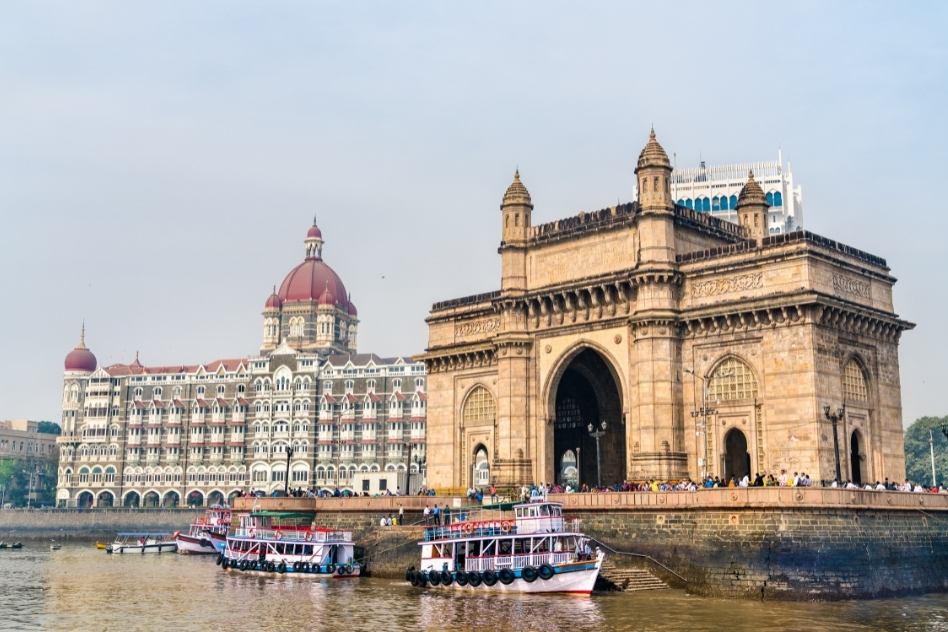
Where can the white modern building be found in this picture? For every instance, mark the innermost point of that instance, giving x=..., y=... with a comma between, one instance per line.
x=715, y=189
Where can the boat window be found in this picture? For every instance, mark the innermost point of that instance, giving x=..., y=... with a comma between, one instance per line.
x=544, y=510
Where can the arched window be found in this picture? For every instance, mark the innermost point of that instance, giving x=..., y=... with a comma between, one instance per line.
x=479, y=406
x=688, y=203
x=733, y=201
x=716, y=203
x=680, y=202
x=724, y=204
x=778, y=199
x=854, y=383
x=770, y=198
x=732, y=379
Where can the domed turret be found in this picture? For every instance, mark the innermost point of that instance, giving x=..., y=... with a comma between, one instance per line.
x=653, y=154
x=516, y=194
x=310, y=279
x=752, y=209
x=352, y=308
x=326, y=298
x=654, y=176
x=80, y=358
x=516, y=210
x=274, y=301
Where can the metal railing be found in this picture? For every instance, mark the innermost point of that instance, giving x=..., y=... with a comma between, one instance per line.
x=517, y=562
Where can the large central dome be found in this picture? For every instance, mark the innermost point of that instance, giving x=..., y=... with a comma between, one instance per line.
x=310, y=279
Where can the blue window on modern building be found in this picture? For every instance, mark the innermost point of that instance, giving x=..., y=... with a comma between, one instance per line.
x=733, y=201
x=778, y=199
x=770, y=199
x=724, y=203
x=715, y=203
x=688, y=203
x=705, y=204
x=680, y=202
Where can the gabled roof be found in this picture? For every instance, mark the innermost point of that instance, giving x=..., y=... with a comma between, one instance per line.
x=399, y=396
x=242, y=401
x=329, y=398
x=373, y=397
x=421, y=396
x=178, y=403
x=351, y=398
x=201, y=403
x=221, y=403
x=139, y=405
x=157, y=403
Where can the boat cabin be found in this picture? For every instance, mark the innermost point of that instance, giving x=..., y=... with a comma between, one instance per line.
x=539, y=517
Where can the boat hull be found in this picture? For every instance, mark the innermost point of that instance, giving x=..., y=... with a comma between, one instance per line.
x=576, y=579
x=337, y=574
x=164, y=547
x=207, y=545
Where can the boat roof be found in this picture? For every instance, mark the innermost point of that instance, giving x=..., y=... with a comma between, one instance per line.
x=283, y=514
x=139, y=534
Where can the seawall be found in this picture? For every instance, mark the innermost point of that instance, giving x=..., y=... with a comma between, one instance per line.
x=89, y=524
x=775, y=543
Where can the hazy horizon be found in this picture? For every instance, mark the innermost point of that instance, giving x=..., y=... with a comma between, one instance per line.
x=161, y=163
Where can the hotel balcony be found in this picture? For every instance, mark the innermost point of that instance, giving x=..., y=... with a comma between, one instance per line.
x=68, y=438
x=154, y=420
x=134, y=441
x=153, y=459
x=135, y=421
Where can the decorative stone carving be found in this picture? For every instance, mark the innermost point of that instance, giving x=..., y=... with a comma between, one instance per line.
x=728, y=284
x=470, y=328
x=850, y=285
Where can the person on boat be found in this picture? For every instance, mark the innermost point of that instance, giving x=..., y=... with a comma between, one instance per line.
x=587, y=551
x=436, y=515
x=427, y=515
x=599, y=553
x=446, y=513
x=493, y=494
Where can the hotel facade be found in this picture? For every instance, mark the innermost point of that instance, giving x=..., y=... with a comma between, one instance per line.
x=307, y=411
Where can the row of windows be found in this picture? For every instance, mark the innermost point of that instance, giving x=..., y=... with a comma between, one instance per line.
x=733, y=379
x=23, y=446
x=724, y=203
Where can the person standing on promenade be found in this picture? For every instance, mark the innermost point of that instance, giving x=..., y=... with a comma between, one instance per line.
x=427, y=514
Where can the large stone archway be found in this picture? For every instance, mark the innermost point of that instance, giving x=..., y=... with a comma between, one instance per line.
x=588, y=393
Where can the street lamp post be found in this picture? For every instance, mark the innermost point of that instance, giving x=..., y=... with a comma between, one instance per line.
x=598, y=435
x=931, y=448
x=835, y=417
x=286, y=481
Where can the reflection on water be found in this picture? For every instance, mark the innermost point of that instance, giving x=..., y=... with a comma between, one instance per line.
x=81, y=588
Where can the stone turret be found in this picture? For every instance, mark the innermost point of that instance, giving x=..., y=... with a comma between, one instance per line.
x=656, y=227
x=752, y=209
x=516, y=209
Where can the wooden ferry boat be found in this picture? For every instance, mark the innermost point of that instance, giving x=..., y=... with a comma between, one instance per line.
x=207, y=534
x=528, y=550
x=291, y=544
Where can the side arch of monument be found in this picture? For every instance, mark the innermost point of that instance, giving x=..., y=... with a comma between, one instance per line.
x=736, y=395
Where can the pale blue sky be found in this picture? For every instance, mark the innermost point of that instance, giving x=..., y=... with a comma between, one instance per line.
x=161, y=162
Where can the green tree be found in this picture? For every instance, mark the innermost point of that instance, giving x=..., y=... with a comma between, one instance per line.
x=918, y=461
x=48, y=427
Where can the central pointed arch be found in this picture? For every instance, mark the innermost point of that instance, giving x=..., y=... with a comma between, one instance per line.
x=585, y=389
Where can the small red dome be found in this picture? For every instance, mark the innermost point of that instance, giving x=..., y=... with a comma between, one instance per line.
x=80, y=358
x=314, y=232
x=326, y=298
x=274, y=301
x=352, y=309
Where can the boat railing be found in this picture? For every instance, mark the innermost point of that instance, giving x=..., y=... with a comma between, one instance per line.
x=299, y=535
x=490, y=528
x=517, y=562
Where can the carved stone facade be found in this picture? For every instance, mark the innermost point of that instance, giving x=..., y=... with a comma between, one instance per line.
x=636, y=315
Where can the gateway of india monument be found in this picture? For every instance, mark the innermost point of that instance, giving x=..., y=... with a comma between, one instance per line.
x=695, y=346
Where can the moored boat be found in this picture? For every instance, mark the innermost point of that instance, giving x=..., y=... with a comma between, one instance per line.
x=528, y=550
x=291, y=544
x=143, y=543
x=207, y=534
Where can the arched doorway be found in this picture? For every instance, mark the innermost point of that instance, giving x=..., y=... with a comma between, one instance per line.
x=151, y=499
x=855, y=460
x=568, y=474
x=105, y=499
x=195, y=499
x=231, y=497
x=84, y=500
x=215, y=499
x=736, y=458
x=481, y=475
x=588, y=395
x=132, y=499
x=171, y=499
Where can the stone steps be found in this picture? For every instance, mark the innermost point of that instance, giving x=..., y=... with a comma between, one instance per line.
x=628, y=580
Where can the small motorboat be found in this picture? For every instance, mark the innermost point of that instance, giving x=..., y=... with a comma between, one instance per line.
x=55, y=547
x=143, y=543
x=18, y=545
x=101, y=545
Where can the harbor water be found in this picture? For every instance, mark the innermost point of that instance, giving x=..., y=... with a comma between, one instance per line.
x=82, y=588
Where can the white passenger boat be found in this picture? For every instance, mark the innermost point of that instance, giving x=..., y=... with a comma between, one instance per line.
x=207, y=534
x=528, y=550
x=143, y=543
x=289, y=543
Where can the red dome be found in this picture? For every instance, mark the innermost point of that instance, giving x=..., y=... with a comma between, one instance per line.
x=81, y=359
x=311, y=279
x=314, y=232
x=352, y=309
x=273, y=302
x=326, y=298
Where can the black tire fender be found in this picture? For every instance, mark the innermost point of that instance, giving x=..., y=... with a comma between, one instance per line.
x=546, y=572
x=490, y=578
x=506, y=576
